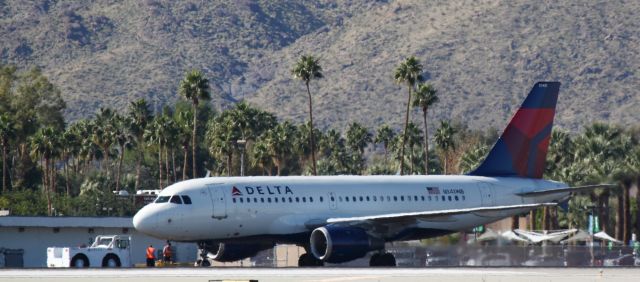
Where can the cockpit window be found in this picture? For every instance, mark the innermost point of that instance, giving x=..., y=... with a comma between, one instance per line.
x=187, y=200
x=175, y=199
x=162, y=199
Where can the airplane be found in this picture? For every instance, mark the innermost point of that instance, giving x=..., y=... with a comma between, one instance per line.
x=341, y=218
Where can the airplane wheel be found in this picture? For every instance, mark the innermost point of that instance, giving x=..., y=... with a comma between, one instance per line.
x=375, y=260
x=308, y=260
x=388, y=260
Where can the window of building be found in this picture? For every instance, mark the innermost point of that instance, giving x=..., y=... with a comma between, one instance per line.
x=187, y=200
x=175, y=199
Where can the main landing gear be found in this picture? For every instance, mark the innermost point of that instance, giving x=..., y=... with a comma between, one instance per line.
x=382, y=259
x=308, y=260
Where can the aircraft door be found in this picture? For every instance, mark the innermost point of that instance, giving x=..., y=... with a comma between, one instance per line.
x=332, y=200
x=217, y=193
x=486, y=194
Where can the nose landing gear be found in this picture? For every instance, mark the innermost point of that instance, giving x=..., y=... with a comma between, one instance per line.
x=203, y=261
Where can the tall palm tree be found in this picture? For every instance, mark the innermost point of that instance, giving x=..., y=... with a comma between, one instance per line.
x=7, y=132
x=425, y=97
x=414, y=134
x=125, y=140
x=408, y=72
x=306, y=69
x=43, y=146
x=70, y=144
x=184, y=121
x=195, y=87
x=104, y=134
x=444, y=139
x=140, y=116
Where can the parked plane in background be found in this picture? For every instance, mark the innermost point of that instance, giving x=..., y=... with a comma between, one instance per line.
x=341, y=218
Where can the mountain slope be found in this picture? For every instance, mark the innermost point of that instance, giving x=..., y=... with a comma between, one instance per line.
x=482, y=56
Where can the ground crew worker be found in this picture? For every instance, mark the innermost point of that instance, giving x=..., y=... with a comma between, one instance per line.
x=166, y=253
x=151, y=257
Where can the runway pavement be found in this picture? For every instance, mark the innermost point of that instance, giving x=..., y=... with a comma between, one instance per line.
x=325, y=274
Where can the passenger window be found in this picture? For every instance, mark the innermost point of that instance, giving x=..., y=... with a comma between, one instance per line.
x=409, y=198
x=187, y=200
x=388, y=198
x=311, y=199
x=297, y=200
x=361, y=199
x=321, y=199
x=415, y=198
x=456, y=198
x=340, y=198
x=269, y=200
x=284, y=200
x=346, y=199
x=463, y=198
x=354, y=198
x=333, y=199
x=375, y=199
x=175, y=199
x=275, y=199
x=255, y=200
x=290, y=200
x=304, y=199
x=402, y=198
x=241, y=200
x=395, y=198
x=262, y=200
x=449, y=198
x=234, y=200
x=367, y=198
x=162, y=199
x=444, y=198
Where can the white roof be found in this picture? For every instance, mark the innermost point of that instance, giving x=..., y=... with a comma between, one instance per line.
x=65, y=221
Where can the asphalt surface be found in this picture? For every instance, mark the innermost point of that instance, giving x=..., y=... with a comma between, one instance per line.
x=325, y=274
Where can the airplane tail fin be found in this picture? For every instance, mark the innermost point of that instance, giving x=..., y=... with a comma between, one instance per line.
x=521, y=150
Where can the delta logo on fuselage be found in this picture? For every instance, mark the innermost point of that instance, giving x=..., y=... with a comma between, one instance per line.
x=262, y=190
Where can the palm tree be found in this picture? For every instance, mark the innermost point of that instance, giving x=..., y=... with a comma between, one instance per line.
x=444, y=139
x=184, y=121
x=306, y=69
x=222, y=135
x=7, y=132
x=194, y=87
x=125, y=139
x=140, y=115
x=384, y=135
x=407, y=72
x=70, y=144
x=43, y=146
x=279, y=141
x=414, y=134
x=358, y=137
x=425, y=97
x=104, y=133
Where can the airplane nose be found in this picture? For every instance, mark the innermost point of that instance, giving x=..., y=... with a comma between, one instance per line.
x=144, y=221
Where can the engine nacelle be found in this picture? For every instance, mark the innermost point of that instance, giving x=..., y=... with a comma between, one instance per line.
x=335, y=244
x=227, y=252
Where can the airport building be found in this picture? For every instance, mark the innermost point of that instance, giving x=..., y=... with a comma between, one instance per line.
x=24, y=240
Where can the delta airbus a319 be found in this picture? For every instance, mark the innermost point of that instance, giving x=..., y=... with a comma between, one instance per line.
x=341, y=218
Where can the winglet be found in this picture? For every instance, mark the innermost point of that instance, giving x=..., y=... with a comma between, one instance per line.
x=521, y=150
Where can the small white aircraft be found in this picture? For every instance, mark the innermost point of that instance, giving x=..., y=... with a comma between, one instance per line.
x=341, y=218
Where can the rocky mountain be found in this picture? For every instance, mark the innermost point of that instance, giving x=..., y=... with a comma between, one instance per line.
x=483, y=56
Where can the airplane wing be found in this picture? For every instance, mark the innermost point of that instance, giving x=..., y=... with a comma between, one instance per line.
x=566, y=189
x=426, y=215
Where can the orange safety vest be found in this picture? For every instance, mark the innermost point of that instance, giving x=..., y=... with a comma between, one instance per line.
x=167, y=251
x=150, y=253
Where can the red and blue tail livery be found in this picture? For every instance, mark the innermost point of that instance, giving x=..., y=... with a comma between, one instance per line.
x=522, y=149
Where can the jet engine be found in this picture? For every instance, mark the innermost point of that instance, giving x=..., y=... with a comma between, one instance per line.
x=227, y=252
x=336, y=244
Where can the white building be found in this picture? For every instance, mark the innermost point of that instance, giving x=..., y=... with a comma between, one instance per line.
x=33, y=235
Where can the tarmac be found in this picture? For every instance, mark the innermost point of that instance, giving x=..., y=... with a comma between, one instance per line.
x=324, y=274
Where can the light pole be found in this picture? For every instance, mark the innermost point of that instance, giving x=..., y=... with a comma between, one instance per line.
x=241, y=145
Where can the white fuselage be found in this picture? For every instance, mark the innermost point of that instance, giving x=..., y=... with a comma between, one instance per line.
x=236, y=208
